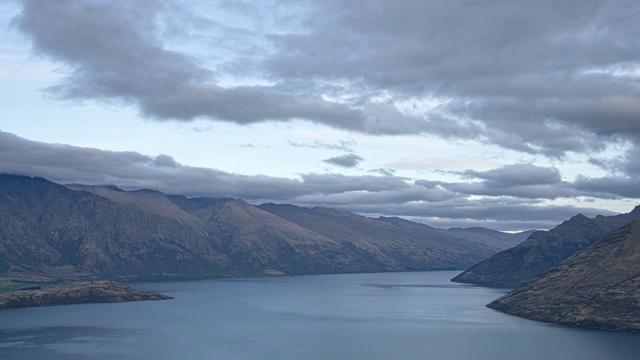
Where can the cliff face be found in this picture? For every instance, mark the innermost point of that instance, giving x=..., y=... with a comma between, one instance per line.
x=543, y=250
x=77, y=231
x=597, y=288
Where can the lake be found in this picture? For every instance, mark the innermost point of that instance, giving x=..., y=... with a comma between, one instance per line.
x=418, y=315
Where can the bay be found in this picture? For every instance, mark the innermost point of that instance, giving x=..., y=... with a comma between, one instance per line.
x=419, y=315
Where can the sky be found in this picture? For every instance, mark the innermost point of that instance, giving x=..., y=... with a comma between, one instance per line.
x=510, y=115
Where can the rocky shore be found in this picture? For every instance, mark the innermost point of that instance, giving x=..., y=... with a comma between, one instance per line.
x=75, y=293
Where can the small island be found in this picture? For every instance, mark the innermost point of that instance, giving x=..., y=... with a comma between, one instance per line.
x=16, y=294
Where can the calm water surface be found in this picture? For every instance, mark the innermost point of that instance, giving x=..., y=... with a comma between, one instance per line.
x=357, y=316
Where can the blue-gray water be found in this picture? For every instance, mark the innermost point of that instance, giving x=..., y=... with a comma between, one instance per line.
x=356, y=316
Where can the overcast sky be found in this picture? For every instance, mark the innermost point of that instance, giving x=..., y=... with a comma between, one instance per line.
x=506, y=114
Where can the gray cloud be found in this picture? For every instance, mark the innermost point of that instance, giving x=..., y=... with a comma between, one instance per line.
x=114, y=51
x=344, y=145
x=537, y=77
x=522, y=180
x=530, y=73
x=518, y=174
x=346, y=160
x=433, y=202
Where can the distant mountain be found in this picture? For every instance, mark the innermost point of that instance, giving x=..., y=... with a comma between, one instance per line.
x=496, y=239
x=492, y=238
x=543, y=250
x=398, y=245
x=597, y=288
x=79, y=231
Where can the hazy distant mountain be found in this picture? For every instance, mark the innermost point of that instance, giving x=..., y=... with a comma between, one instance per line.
x=101, y=231
x=496, y=239
x=395, y=246
x=492, y=238
x=597, y=288
x=543, y=250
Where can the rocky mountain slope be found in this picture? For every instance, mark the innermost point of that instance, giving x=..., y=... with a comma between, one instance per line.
x=77, y=231
x=543, y=250
x=48, y=229
x=597, y=288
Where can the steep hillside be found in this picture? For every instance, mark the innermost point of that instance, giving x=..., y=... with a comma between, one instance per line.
x=543, y=250
x=597, y=288
x=260, y=243
x=48, y=229
x=79, y=231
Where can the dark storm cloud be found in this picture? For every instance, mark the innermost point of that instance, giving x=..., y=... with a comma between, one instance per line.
x=541, y=77
x=433, y=202
x=346, y=160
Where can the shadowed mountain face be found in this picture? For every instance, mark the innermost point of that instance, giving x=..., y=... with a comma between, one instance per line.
x=597, y=288
x=543, y=250
x=78, y=231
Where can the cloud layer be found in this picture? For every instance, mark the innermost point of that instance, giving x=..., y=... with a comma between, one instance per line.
x=505, y=203
x=537, y=77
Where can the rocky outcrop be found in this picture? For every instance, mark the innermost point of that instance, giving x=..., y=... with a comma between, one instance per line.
x=76, y=293
x=543, y=250
x=598, y=288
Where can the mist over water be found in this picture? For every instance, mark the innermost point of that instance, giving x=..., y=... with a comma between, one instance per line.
x=417, y=315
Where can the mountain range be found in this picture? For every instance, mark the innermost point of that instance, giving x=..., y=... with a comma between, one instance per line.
x=48, y=230
x=596, y=288
x=543, y=250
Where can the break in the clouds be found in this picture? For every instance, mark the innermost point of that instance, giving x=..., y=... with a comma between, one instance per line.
x=433, y=202
x=541, y=77
x=346, y=160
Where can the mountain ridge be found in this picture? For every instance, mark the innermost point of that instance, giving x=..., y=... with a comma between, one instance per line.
x=79, y=232
x=543, y=250
x=598, y=287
